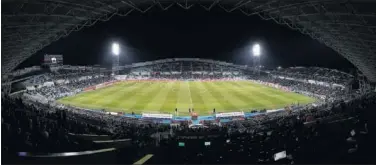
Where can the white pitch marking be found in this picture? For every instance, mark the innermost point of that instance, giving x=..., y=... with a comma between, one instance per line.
x=160, y=97
x=190, y=95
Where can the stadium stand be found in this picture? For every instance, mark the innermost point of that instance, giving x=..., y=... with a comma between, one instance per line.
x=315, y=73
x=338, y=129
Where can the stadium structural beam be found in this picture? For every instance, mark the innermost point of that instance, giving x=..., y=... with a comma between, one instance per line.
x=316, y=18
x=329, y=41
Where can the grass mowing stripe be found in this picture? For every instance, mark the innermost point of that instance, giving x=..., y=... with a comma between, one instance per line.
x=267, y=88
x=243, y=95
x=198, y=101
x=190, y=93
x=279, y=94
x=289, y=97
x=224, y=96
x=159, y=98
x=219, y=97
x=94, y=97
x=239, y=104
x=253, y=93
x=115, y=94
x=97, y=92
x=171, y=98
x=272, y=101
x=236, y=83
x=184, y=99
x=142, y=102
x=94, y=103
x=292, y=96
x=266, y=95
x=296, y=97
x=209, y=99
x=86, y=97
x=137, y=96
x=123, y=95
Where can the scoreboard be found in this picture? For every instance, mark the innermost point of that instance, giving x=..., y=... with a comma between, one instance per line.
x=53, y=59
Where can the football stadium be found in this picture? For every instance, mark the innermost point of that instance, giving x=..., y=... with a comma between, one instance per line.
x=77, y=89
x=180, y=97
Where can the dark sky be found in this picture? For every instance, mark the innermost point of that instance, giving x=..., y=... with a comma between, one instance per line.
x=195, y=33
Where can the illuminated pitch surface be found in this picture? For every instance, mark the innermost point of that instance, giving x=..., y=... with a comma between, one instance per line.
x=165, y=96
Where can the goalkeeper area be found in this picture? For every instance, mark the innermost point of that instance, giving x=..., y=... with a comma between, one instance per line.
x=203, y=96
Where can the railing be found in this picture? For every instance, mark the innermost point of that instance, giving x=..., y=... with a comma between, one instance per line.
x=104, y=156
x=90, y=137
x=121, y=143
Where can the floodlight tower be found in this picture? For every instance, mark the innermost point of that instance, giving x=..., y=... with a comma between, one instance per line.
x=115, y=59
x=256, y=51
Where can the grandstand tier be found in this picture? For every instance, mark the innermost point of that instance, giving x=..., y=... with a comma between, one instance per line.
x=39, y=119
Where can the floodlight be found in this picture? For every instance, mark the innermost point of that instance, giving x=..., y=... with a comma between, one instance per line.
x=115, y=49
x=256, y=50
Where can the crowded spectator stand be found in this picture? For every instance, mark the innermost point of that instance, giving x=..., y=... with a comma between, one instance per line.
x=234, y=134
x=337, y=129
x=74, y=84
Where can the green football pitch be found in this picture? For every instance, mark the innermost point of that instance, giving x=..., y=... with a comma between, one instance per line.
x=165, y=96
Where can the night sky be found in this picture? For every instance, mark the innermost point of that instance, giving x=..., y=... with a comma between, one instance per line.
x=194, y=33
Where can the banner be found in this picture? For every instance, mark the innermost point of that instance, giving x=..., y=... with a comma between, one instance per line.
x=158, y=116
x=105, y=84
x=113, y=113
x=89, y=88
x=273, y=110
x=230, y=114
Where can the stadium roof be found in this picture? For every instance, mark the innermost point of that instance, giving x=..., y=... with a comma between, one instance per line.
x=347, y=26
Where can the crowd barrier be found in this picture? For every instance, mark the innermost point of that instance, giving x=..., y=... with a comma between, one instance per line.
x=102, y=156
x=121, y=143
x=90, y=137
x=106, y=84
x=89, y=88
x=229, y=114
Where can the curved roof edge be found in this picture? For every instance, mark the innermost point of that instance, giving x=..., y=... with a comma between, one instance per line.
x=348, y=27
